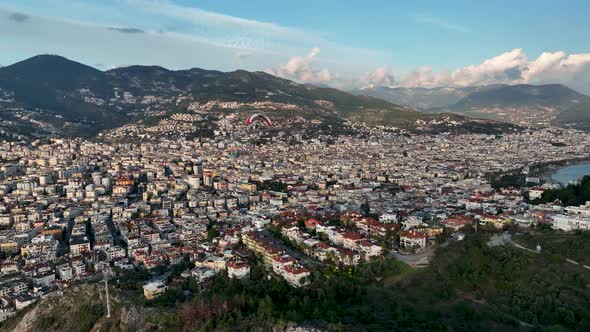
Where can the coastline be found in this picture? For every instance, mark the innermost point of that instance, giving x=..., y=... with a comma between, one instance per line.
x=547, y=171
x=543, y=171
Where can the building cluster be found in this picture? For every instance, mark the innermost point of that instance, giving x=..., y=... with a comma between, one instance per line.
x=570, y=218
x=276, y=258
x=71, y=209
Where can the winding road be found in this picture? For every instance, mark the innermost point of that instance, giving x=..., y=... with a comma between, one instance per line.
x=503, y=239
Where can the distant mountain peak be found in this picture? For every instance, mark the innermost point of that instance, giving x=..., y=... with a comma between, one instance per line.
x=525, y=104
x=46, y=57
x=49, y=59
x=46, y=65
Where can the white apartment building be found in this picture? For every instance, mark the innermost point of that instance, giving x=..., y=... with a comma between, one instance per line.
x=570, y=222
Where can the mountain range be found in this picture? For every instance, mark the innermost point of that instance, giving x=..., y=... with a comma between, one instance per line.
x=522, y=104
x=421, y=98
x=52, y=95
x=67, y=97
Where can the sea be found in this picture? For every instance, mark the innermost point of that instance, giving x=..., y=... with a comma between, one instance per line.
x=570, y=173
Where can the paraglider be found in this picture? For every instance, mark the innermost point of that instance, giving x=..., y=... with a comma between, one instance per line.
x=259, y=117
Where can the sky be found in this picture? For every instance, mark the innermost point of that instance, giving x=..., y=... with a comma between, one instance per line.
x=346, y=44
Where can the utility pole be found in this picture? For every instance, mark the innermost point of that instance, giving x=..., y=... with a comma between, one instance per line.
x=106, y=286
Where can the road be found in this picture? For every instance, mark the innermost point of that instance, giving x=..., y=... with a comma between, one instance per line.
x=504, y=239
x=420, y=259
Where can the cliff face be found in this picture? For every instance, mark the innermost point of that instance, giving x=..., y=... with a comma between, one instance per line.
x=76, y=309
x=81, y=308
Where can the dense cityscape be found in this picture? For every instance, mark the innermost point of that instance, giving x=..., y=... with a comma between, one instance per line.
x=76, y=210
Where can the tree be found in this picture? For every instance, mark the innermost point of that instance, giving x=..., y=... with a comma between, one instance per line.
x=265, y=307
x=365, y=208
x=212, y=233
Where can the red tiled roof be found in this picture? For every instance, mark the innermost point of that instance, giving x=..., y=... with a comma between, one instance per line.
x=237, y=265
x=345, y=252
x=296, y=270
x=284, y=259
x=366, y=243
x=322, y=245
x=311, y=222
x=352, y=236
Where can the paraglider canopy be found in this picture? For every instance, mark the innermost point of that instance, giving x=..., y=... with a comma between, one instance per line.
x=259, y=117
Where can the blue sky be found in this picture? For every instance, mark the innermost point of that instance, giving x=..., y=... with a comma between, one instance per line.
x=348, y=44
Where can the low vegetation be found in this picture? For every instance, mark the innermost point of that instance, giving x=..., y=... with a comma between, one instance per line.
x=507, y=181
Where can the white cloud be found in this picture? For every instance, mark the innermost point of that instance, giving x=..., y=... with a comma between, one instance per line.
x=438, y=22
x=218, y=29
x=502, y=68
x=200, y=16
x=546, y=61
x=378, y=77
x=572, y=70
x=512, y=67
x=226, y=30
x=250, y=35
x=300, y=69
